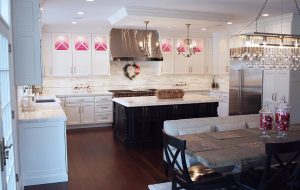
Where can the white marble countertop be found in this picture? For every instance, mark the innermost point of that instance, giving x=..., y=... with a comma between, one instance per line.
x=154, y=101
x=206, y=90
x=100, y=93
x=50, y=111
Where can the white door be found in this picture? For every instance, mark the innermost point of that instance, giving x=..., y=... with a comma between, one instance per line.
x=73, y=113
x=82, y=61
x=62, y=54
x=100, y=55
x=87, y=113
x=6, y=123
x=182, y=64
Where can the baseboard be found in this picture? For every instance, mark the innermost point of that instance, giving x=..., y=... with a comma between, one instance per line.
x=27, y=181
x=89, y=125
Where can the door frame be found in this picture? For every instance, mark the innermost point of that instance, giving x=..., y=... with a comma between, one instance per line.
x=6, y=30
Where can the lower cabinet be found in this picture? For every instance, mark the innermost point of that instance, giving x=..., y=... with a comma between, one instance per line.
x=223, y=109
x=88, y=109
x=43, y=152
x=138, y=125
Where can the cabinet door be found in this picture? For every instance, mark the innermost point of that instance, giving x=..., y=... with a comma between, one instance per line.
x=27, y=46
x=100, y=55
x=73, y=113
x=208, y=56
x=182, y=64
x=61, y=54
x=167, y=50
x=87, y=113
x=282, y=85
x=197, y=60
x=81, y=54
x=269, y=87
x=46, y=54
x=221, y=55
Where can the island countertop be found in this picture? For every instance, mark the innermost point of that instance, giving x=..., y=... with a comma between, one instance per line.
x=50, y=111
x=154, y=101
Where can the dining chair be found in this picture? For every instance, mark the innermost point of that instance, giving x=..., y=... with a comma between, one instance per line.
x=281, y=170
x=194, y=177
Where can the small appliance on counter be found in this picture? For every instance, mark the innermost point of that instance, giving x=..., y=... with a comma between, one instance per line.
x=28, y=100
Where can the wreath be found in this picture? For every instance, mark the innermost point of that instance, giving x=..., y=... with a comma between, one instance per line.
x=131, y=70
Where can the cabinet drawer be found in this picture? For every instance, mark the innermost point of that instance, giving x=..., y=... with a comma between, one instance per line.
x=104, y=107
x=79, y=99
x=99, y=118
x=103, y=98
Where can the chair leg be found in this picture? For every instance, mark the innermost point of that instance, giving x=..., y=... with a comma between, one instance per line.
x=166, y=168
x=174, y=185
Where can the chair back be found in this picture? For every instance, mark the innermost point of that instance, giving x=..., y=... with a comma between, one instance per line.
x=173, y=148
x=287, y=173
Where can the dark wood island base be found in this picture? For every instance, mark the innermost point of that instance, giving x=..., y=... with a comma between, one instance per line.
x=138, y=125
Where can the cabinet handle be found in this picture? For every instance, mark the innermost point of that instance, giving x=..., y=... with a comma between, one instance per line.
x=103, y=107
x=227, y=69
x=79, y=109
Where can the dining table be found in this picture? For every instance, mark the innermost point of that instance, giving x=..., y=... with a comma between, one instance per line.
x=234, y=150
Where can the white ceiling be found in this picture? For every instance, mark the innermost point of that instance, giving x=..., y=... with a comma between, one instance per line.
x=163, y=14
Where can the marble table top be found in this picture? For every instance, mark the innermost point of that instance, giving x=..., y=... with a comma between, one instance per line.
x=239, y=149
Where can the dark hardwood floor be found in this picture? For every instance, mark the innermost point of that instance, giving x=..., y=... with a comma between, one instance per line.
x=99, y=162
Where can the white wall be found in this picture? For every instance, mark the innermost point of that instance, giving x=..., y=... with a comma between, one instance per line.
x=148, y=78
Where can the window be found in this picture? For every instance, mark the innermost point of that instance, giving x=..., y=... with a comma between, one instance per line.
x=5, y=10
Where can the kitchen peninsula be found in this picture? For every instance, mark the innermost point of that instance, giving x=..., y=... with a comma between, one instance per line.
x=139, y=120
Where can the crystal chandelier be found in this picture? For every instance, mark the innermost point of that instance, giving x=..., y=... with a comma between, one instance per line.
x=187, y=48
x=268, y=51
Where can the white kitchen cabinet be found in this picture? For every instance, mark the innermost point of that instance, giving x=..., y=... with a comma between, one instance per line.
x=279, y=84
x=47, y=54
x=81, y=52
x=208, y=67
x=100, y=55
x=194, y=64
x=73, y=113
x=62, y=55
x=87, y=113
x=221, y=53
x=168, y=51
x=103, y=109
x=43, y=152
x=26, y=38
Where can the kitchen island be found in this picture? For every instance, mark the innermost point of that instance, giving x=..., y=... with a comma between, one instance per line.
x=139, y=120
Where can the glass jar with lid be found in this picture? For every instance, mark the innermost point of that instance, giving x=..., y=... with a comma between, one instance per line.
x=266, y=121
x=282, y=118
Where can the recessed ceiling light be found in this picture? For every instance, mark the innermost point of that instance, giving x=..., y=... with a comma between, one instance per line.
x=89, y=0
x=74, y=22
x=266, y=14
x=203, y=28
x=80, y=13
x=229, y=22
x=41, y=8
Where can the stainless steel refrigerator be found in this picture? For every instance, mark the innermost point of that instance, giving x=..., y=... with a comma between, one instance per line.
x=245, y=89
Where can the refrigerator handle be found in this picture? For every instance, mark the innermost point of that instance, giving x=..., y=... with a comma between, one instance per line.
x=240, y=90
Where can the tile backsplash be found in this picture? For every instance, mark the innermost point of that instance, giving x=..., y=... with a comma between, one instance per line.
x=149, y=77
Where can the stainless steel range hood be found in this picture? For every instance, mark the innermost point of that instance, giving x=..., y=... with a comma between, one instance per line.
x=125, y=45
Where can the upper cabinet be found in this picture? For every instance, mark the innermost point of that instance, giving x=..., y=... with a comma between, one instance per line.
x=175, y=63
x=167, y=50
x=82, y=54
x=100, y=55
x=221, y=53
x=61, y=54
x=66, y=55
x=26, y=38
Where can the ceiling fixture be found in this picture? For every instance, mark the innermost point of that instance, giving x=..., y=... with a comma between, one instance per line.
x=203, y=28
x=145, y=45
x=187, y=48
x=229, y=23
x=73, y=22
x=80, y=13
x=89, y=0
x=41, y=8
x=260, y=50
x=265, y=15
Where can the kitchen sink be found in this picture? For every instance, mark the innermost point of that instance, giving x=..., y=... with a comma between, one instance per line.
x=44, y=100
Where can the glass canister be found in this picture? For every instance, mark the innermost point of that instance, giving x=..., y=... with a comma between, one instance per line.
x=266, y=121
x=282, y=118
